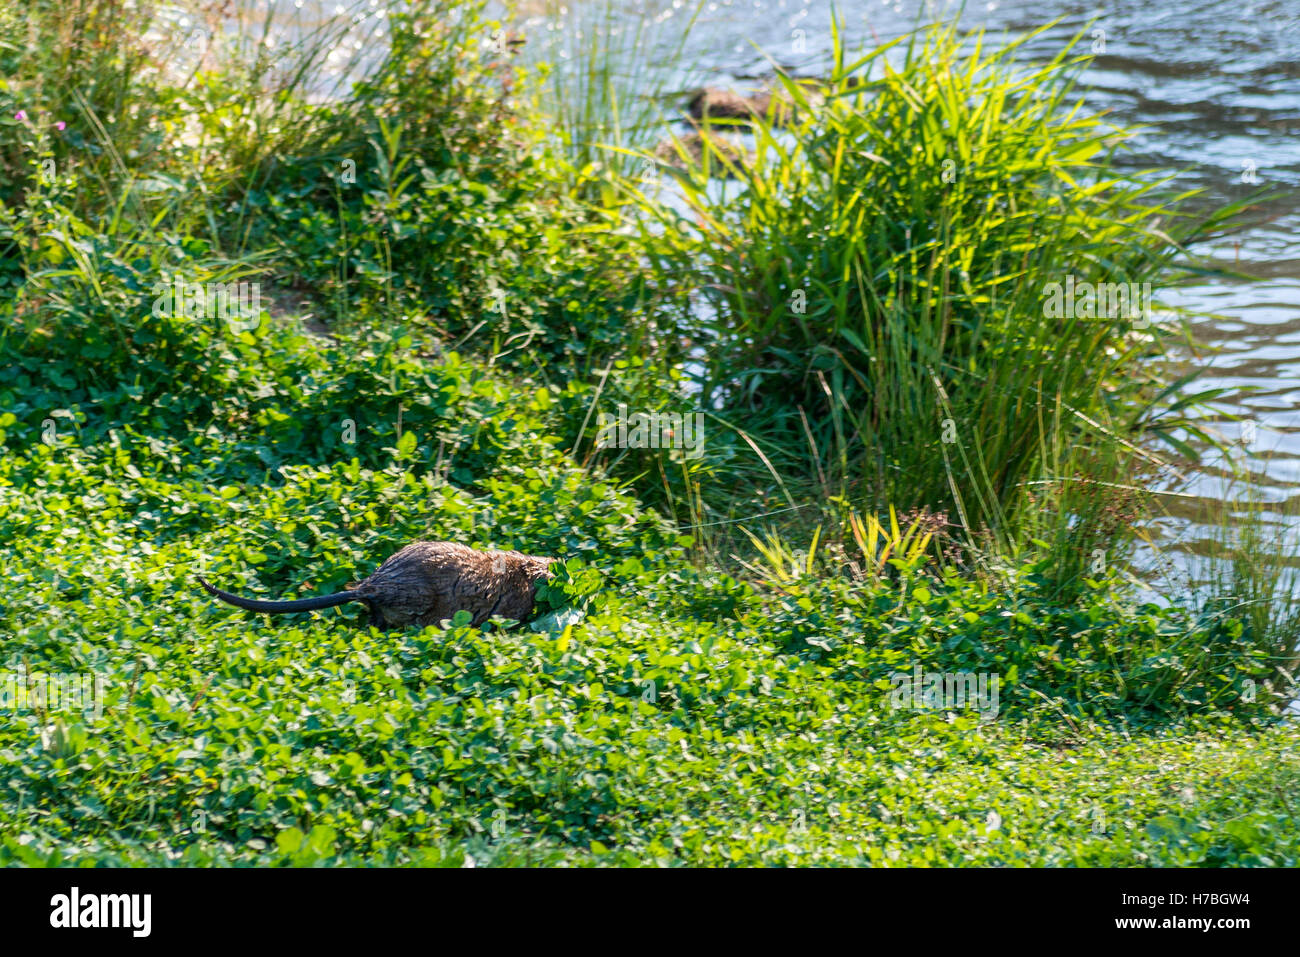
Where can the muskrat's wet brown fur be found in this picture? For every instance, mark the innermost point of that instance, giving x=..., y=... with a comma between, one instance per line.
x=717, y=104
x=427, y=582
x=727, y=104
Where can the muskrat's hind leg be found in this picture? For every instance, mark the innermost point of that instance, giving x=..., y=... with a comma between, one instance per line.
x=376, y=616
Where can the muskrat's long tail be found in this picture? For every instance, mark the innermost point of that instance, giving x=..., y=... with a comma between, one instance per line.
x=282, y=607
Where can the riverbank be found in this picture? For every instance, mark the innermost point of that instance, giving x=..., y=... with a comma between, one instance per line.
x=270, y=340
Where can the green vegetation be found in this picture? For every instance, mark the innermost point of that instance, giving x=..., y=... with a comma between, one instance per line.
x=452, y=297
x=877, y=276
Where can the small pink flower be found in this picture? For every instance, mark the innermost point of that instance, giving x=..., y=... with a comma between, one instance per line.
x=60, y=125
x=21, y=116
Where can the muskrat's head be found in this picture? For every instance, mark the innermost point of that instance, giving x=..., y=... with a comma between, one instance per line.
x=539, y=567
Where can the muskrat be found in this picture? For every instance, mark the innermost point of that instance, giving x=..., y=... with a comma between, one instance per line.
x=427, y=582
x=727, y=104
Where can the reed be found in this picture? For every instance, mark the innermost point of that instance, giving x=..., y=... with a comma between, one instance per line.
x=876, y=298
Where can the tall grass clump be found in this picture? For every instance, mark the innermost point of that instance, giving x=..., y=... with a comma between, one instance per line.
x=876, y=288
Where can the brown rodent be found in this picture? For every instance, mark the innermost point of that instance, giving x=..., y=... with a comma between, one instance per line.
x=427, y=582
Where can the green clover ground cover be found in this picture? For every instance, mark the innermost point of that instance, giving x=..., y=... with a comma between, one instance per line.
x=686, y=718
